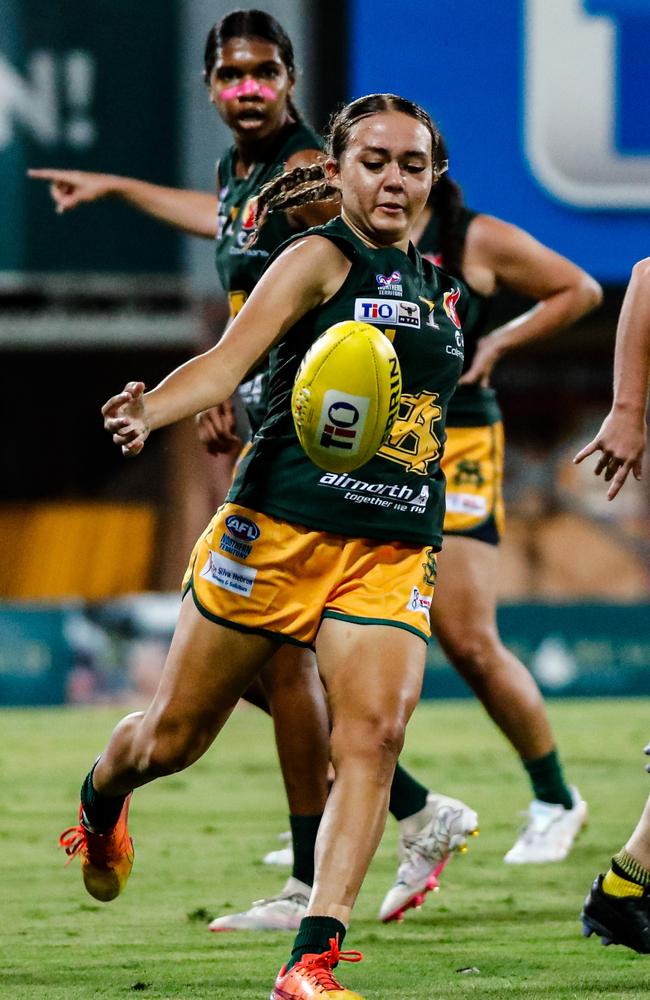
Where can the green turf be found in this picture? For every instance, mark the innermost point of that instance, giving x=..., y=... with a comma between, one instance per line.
x=200, y=835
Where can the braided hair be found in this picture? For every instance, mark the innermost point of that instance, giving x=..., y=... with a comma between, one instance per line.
x=250, y=24
x=447, y=203
x=307, y=184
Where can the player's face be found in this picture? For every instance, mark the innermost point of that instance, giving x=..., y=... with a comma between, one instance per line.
x=385, y=175
x=250, y=86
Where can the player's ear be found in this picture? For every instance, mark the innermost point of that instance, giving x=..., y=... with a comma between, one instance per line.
x=332, y=173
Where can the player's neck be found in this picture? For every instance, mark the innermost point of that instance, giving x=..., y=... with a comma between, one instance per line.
x=402, y=244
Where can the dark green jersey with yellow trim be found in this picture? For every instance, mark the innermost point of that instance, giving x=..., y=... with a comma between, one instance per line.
x=471, y=405
x=399, y=494
x=239, y=268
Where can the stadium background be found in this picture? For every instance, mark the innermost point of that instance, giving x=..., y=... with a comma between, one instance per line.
x=538, y=100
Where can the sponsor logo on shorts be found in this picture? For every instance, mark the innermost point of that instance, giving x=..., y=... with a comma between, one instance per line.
x=238, y=549
x=466, y=503
x=389, y=284
x=397, y=313
x=240, y=532
x=419, y=602
x=388, y=495
x=242, y=528
x=228, y=575
x=342, y=420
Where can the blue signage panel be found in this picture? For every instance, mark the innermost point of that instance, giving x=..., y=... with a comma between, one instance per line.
x=541, y=103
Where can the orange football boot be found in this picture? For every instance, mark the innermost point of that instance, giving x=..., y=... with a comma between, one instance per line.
x=312, y=978
x=106, y=858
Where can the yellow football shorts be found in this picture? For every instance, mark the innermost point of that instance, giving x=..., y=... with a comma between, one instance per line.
x=473, y=466
x=260, y=574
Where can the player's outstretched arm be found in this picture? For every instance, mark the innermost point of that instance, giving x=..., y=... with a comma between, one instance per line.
x=194, y=212
x=622, y=437
x=306, y=274
x=504, y=256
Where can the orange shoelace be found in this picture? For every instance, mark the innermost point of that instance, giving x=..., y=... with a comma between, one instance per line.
x=319, y=967
x=73, y=841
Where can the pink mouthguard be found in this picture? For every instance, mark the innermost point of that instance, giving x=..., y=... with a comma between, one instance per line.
x=250, y=88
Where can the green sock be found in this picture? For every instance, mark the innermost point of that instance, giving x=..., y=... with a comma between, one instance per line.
x=407, y=796
x=313, y=937
x=547, y=779
x=101, y=812
x=303, y=833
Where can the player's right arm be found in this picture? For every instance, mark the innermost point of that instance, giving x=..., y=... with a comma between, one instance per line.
x=194, y=212
x=622, y=437
x=305, y=275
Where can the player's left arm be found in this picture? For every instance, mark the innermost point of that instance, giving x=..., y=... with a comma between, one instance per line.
x=515, y=260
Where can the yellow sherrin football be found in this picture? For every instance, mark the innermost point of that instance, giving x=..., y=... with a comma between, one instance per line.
x=346, y=396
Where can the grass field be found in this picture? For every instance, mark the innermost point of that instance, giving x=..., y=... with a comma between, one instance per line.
x=200, y=835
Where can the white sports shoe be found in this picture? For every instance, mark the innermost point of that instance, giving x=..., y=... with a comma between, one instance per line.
x=280, y=913
x=283, y=857
x=426, y=843
x=549, y=832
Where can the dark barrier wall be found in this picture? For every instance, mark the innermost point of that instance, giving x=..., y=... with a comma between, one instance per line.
x=114, y=651
x=89, y=85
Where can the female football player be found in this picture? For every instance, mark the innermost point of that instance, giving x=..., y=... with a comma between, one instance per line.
x=250, y=74
x=490, y=255
x=355, y=579
x=249, y=69
x=618, y=905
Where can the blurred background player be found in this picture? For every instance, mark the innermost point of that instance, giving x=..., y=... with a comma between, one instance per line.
x=618, y=906
x=250, y=73
x=491, y=255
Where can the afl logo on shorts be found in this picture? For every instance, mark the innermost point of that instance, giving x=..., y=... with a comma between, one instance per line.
x=341, y=426
x=242, y=528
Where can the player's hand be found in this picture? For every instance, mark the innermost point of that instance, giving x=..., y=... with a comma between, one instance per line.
x=487, y=354
x=621, y=440
x=126, y=419
x=217, y=429
x=70, y=188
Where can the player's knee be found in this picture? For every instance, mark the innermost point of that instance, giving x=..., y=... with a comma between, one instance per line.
x=377, y=738
x=167, y=749
x=474, y=651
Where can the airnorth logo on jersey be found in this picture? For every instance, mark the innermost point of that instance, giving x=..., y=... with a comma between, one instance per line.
x=343, y=418
x=449, y=303
x=389, y=284
x=398, y=313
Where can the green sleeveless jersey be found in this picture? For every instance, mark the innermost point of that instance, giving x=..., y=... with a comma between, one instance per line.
x=399, y=494
x=471, y=405
x=239, y=268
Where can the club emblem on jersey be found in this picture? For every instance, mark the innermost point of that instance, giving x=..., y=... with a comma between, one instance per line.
x=249, y=213
x=449, y=302
x=431, y=319
x=389, y=284
x=434, y=258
